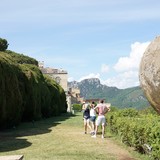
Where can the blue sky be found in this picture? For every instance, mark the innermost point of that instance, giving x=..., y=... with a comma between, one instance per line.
x=88, y=38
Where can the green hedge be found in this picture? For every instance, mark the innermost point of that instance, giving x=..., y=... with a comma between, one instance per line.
x=10, y=96
x=77, y=107
x=25, y=94
x=140, y=131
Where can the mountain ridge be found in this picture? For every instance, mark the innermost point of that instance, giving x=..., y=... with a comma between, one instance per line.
x=121, y=98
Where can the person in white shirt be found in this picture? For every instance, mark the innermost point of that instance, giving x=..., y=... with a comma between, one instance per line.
x=92, y=117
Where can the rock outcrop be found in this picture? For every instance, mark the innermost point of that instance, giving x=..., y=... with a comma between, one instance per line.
x=149, y=73
x=121, y=98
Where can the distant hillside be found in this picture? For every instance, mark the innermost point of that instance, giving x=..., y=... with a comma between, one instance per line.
x=130, y=97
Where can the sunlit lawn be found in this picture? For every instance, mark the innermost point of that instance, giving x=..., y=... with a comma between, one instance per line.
x=58, y=138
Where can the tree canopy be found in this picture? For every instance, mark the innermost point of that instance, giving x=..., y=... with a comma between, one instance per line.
x=3, y=44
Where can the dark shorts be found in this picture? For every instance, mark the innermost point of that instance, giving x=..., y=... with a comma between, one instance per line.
x=86, y=117
x=93, y=118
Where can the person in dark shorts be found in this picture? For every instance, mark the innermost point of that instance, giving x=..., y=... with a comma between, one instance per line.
x=86, y=117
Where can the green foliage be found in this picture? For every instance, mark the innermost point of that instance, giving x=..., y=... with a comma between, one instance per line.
x=128, y=112
x=25, y=94
x=148, y=110
x=57, y=95
x=137, y=130
x=31, y=91
x=114, y=109
x=20, y=58
x=10, y=97
x=77, y=107
x=3, y=44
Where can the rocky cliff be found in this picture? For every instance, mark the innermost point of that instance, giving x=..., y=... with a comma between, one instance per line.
x=92, y=88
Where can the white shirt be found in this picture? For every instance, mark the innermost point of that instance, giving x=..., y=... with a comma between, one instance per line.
x=92, y=112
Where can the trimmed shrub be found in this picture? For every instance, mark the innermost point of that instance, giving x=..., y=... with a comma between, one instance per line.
x=140, y=131
x=77, y=107
x=25, y=94
x=10, y=96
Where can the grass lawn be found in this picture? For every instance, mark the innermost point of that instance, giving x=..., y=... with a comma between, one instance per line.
x=60, y=138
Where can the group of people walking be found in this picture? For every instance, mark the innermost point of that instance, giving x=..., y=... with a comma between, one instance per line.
x=91, y=120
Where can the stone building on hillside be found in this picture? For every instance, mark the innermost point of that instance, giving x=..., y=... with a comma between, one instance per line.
x=59, y=75
x=75, y=95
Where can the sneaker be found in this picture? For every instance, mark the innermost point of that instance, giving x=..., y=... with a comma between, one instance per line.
x=94, y=136
x=102, y=136
x=92, y=133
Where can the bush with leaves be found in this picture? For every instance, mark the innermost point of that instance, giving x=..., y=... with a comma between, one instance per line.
x=3, y=44
x=137, y=130
x=77, y=107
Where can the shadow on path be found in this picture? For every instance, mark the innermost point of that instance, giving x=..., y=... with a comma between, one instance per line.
x=12, y=139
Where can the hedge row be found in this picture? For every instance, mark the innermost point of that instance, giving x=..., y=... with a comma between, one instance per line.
x=25, y=94
x=77, y=107
x=139, y=131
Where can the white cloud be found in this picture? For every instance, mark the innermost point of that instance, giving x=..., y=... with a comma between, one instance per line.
x=123, y=80
x=104, y=68
x=70, y=79
x=128, y=67
x=91, y=75
x=133, y=61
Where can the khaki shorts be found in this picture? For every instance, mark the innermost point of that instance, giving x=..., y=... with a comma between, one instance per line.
x=100, y=120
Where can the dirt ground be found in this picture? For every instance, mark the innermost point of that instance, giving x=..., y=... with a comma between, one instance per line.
x=85, y=142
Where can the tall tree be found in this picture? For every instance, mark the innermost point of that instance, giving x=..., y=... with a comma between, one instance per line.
x=3, y=44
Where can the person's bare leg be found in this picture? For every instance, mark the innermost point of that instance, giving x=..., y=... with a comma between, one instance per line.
x=103, y=130
x=94, y=126
x=88, y=125
x=96, y=130
x=85, y=126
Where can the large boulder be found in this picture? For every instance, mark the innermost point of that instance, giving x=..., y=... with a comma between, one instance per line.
x=149, y=73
